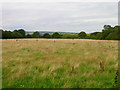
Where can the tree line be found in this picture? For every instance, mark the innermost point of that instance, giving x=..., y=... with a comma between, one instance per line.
x=108, y=33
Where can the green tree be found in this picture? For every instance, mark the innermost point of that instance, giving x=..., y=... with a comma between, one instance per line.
x=106, y=27
x=46, y=35
x=16, y=34
x=28, y=36
x=99, y=36
x=7, y=34
x=56, y=35
x=94, y=35
x=69, y=36
x=106, y=31
x=114, y=34
x=22, y=32
x=82, y=35
x=36, y=34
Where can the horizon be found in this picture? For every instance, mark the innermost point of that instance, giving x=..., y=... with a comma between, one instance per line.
x=51, y=31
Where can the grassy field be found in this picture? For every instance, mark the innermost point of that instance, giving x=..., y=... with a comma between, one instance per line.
x=50, y=63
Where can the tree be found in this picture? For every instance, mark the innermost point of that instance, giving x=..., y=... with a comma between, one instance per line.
x=99, y=36
x=22, y=32
x=82, y=35
x=46, y=35
x=106, y=27
x=109, y=33
x=36, y=34
x=114, y=34
x=94, y=35
x=28, y=36
x=56, y=35
x=16, y=35
x=69, y=35
x=7, y=34
x=106, y=31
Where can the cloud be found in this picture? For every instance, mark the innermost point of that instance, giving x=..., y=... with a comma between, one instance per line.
x=59, y=16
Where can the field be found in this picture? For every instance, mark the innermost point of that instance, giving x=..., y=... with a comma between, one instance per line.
x=62, y=63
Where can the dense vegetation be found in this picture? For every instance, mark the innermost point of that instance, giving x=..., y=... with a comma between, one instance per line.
x=108, y=33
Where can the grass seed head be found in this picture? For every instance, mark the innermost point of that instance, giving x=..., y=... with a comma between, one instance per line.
x=101, y=66
x=72, y=69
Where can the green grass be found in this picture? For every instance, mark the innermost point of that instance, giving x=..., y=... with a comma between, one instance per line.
x=48, y=64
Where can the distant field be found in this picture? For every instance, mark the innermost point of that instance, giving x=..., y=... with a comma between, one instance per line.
x=58, y=63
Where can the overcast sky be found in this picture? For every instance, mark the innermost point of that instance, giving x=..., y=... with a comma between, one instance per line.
x=59, y=16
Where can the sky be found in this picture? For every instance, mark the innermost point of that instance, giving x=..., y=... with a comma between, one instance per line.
x=59, y=16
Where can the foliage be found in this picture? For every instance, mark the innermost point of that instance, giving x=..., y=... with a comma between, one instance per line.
x=117, y=79
x=69, y=36
x=82, y=35
x=36, y=34
x=95, y=35
x=46, y=35
x=22, y=32
x=108, y=33
x=16, y=34
x=28, y=36
x=56, y=35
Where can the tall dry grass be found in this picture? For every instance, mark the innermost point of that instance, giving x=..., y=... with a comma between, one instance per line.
x=58, y=63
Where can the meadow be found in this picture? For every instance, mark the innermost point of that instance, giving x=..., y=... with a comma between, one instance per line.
x=58, y=63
